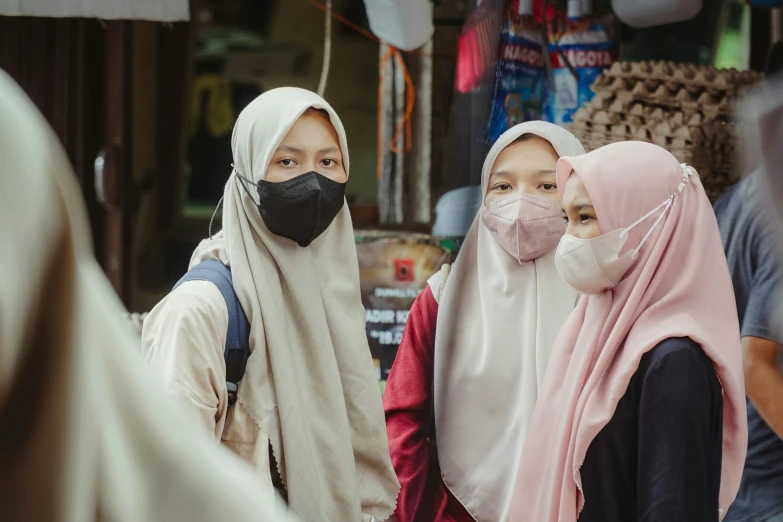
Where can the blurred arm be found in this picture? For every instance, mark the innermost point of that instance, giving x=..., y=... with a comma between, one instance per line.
x=764, y=379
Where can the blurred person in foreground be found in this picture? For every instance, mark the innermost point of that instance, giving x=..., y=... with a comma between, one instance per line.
x=749, y=238
x=86, y=431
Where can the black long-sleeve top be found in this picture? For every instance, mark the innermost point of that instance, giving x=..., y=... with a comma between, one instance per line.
x=659, y=457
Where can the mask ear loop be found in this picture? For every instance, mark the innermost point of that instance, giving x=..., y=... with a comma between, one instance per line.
x=668, y=205
x=213, y=216
x=624, y=233
x=242, y=181
x=687, y=172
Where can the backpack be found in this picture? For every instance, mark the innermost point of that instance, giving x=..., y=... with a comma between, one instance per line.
x=237, y=348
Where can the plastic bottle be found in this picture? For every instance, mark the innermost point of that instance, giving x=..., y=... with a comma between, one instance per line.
x=525, y=8
x=575, y=9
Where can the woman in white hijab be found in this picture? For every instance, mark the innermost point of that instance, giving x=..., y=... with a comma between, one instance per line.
x=87, y=433
x=309, y=389
x=458, y=402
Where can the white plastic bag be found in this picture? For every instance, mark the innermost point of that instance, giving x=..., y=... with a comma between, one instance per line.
x=404, y=24
x=649, y=13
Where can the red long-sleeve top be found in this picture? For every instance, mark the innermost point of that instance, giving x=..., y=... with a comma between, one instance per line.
x=408, y=405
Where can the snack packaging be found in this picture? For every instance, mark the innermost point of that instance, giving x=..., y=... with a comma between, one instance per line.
x=588, y=46
x=519, y=87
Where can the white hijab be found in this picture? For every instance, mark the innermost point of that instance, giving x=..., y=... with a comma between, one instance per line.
x=86, y=431
x=310, y=382
x=497, y=323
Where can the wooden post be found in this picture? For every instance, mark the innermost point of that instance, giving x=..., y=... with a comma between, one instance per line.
x=399, y=156
x=392, y=92
x=420, y=209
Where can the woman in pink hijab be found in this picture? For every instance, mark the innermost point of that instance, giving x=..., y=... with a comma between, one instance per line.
x=642, y=412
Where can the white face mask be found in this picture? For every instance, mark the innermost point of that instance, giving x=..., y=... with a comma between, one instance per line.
x=592, y=266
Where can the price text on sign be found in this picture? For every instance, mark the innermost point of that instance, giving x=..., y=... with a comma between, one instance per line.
x=386, y=338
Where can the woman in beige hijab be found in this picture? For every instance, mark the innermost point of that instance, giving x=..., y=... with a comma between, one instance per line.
x=87, y=433
x=463, y=386
x=309, y=389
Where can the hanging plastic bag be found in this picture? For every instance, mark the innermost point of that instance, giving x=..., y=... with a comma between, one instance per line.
x=650, y=13
x=404, y=24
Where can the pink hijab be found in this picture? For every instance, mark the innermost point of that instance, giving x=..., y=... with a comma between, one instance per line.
x=679, y=287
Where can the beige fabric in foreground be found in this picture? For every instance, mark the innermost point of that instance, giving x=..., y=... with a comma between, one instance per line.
x=310, y=383
x=86, y=432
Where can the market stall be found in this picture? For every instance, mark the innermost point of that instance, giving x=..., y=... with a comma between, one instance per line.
x=609, y=71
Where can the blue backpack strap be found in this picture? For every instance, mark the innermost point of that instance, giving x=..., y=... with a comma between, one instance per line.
x=237, y=348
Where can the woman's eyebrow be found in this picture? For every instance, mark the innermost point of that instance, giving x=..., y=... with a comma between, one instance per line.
x=497, y=174
x=294, y=150
x=288, y=148
x=544, y=173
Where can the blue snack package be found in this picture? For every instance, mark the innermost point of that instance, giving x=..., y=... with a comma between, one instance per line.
x=519, y=87
x=588, y=47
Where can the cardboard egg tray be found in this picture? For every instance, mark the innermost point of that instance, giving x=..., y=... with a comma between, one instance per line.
x=691, y=116
x=714, y=102
x=688, y=75
x=651, y=123
x=670, y=84
x=683, y=108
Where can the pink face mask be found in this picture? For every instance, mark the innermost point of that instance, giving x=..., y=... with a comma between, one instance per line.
x=525, y=226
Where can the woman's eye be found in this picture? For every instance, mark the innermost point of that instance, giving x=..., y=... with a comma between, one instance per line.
x=585, y=217
x=565, y=218
x=328, y=162
x=548, y=186
x=502, y=186
x=287, y=162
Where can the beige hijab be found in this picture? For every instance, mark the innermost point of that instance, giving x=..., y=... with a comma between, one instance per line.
x=310, y=382
x=86, y=431
x=497, y=323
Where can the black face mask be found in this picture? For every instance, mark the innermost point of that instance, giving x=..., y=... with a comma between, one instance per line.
x=302, y=208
